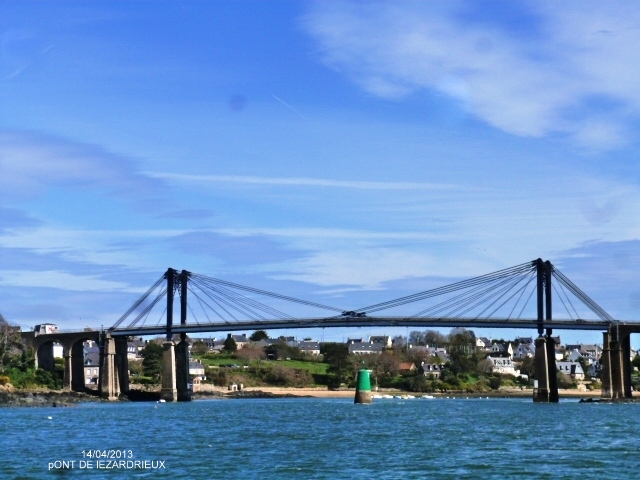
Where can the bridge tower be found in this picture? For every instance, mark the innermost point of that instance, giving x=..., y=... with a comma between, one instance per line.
x=545, y=357
x=175, y=376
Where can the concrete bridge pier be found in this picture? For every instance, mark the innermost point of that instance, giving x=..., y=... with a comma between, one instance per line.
x=182, y=370
x=169, y=390
x=546, y=374
x=616, y=365
x=541, y=393
x=109, y=386
x=122, y=363
x=44, y=356
x=626, y=364
x=552, y=370
x=67, y=379
x=615, y=355
x=77, y=367
x=605, y=372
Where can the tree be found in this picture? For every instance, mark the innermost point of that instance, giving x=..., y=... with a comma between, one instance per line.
x=282, y=350
x=135, y=367
x=565, y=381
x=485, y=366
x=399, y=344
x=434, y=339
x=585, y=367
x=152, y=360
x=9, y=341
x=417, y=338
x=528, y=367
x=258, y=335
x=199, y=348
x=419, y=357
x=230, y=344
x=247, y=354
x=462, y=357
x=337, y=356
x=385, y=367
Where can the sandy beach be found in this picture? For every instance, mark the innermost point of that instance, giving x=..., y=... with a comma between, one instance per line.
x=350, y=393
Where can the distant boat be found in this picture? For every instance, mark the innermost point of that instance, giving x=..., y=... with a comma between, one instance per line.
x=162, y=400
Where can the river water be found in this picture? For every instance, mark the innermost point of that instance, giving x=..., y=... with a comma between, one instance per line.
x=309, y=438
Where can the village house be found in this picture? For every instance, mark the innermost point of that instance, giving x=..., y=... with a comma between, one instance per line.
x=364, y=348
x=432, y=370
x=406, y=367
x=383, y=340
x=309, y=347
x=91, y=368
x=502, y=349
x=503, y=365
x=241, y=340
x=524, y=350
x=196, y=373
x=210, y=343
x=573, y=369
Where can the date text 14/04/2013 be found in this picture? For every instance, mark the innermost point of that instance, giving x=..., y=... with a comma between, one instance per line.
x=108, y=454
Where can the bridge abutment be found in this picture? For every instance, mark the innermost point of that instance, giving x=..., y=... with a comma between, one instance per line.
x=169, y=390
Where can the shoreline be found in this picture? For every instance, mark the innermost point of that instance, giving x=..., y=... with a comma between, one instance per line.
x=59, y=398
x=350, y=393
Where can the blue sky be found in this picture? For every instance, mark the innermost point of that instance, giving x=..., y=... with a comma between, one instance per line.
x=341, y=152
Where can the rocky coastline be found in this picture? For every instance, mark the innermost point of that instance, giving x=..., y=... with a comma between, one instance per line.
x=26, y=398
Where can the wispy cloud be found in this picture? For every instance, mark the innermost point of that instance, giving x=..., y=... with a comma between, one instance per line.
x=31, y=162
x=560, y=69
x=61, y=280
x=301, y=182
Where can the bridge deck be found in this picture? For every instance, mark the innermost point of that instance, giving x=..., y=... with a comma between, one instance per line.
x=597, y=325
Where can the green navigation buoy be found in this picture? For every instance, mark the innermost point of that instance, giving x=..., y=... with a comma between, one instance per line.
x=363, y=387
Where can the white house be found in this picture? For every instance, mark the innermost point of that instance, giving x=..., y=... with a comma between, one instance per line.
x=91, y=368
x=383, y=340
x=503, y=365
x=364, y=348
x=524, y=350
x=432, y=369
x=311, y=348
x=573, y=369
x=502, y=349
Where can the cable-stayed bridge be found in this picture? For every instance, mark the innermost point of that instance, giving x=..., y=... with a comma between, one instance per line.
x=523, y=296
x=510, y=298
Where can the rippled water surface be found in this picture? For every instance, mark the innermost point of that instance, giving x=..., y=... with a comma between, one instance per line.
x=325, y=439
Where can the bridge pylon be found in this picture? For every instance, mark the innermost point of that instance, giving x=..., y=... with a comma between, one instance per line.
x=175, y=377
x=545, y=356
